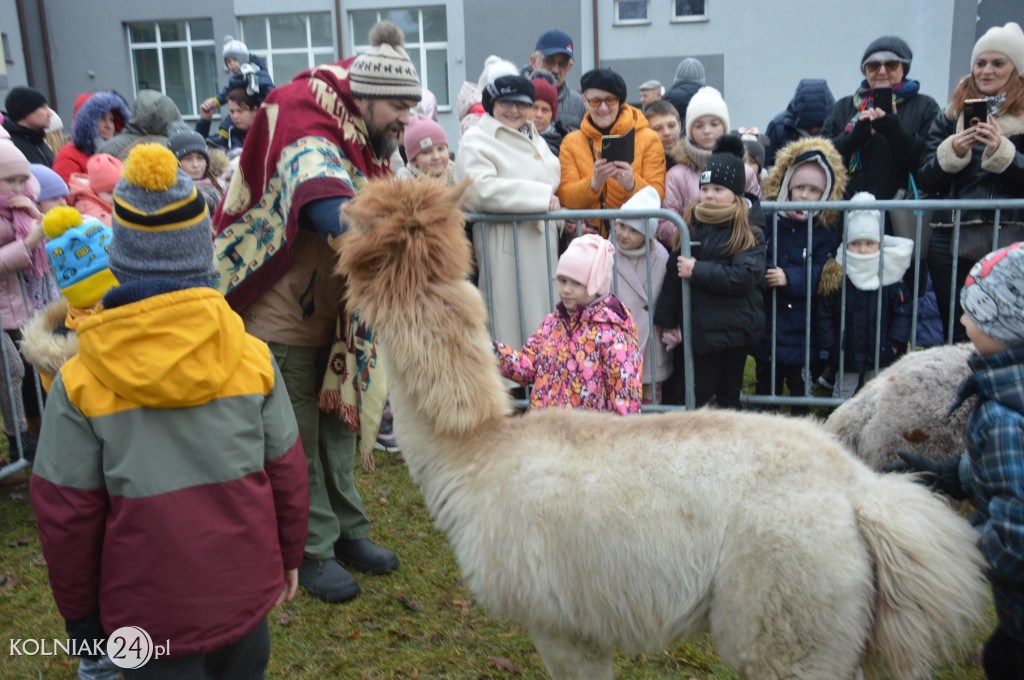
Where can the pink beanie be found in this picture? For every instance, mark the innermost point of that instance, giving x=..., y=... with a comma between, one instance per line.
x=104, y=172
x=589, y=260
x=422, y=133
x=12, y=161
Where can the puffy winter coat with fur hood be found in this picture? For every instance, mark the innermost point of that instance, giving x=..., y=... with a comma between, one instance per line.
x=582, y=147
x=73, y=157
x=974, y=175
x=789, y=251
x=586, y=359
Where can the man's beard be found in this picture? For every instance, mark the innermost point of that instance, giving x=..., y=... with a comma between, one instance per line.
x=382, y=144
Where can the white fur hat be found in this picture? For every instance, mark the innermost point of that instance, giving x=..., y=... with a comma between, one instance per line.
x=494, y=68
x=706, y=101
x=1008, y=40
x=863, y=224
x=645, y=199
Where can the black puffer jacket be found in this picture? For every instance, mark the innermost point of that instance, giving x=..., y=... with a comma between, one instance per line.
x=727, y=290
x=858, y=342
x=888, y=156
x=944, y=174
x=679, y=96
x=30, y=141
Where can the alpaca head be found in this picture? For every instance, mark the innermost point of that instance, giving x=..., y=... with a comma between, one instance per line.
x=405, y=236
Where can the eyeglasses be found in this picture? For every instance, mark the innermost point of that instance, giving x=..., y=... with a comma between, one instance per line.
x=522, y=106
x=890, y=66
x=564, y=64
x=610, y=102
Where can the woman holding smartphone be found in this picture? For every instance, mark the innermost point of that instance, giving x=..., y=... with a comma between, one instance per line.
x=983, y=160
x=879, y=130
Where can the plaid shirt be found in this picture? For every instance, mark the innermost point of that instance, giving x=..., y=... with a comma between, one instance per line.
x=992, y=474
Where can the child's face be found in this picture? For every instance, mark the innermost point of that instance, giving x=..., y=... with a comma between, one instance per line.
x=50, y=203
x=984, y=343
x=627, y=237
x=433, y=160
x=572, y=293
x=706, y=130
x=541, y=114
x=194, y=165
x=805, y=192
x=12, y=185
x=667, y=127
x=106, y=127
x=716, y=193
x=863, y=246
x=233, y=64
x=752, y=164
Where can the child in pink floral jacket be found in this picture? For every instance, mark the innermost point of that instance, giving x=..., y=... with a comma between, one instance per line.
x=585, y=355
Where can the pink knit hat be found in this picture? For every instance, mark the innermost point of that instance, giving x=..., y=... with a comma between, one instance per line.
x=422, y=133
x=104, y=172
x=809, y=173
x=13, y=162
x=589, y=260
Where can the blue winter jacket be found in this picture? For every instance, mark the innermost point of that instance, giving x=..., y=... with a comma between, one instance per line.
x=858, y=341
x=265, y=82
x=810, y=106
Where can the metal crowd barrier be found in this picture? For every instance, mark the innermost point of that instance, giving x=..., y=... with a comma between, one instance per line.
x=919, y=208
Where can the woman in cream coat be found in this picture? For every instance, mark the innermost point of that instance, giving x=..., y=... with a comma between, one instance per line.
x=513, y=171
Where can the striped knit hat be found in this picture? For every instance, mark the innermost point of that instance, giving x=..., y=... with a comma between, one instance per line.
x=385, y=72
x=160, y=223
x=78, y=256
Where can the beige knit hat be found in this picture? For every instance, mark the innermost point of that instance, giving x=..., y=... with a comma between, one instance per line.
x=1008, y=40
x=385, y=72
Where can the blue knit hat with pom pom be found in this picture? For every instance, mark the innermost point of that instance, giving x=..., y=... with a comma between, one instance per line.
x=78, y=251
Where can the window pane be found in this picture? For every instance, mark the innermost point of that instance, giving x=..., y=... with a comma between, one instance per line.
x=321, y=33
x=437, y=75
x=362, y=22
x=632, y=10
x=287, y=66
x=435, y=26
x=254, y=33
x=147, y=69
x=176, y=78
x=142, y=32
x=204, y=62
x=287, y=30
x=414, y=57
x=406, y=19
x=685, y=8
x=172, y=30
x=323, y=58
x=201, y=29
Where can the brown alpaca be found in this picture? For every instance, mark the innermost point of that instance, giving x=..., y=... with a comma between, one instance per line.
x=597, y=532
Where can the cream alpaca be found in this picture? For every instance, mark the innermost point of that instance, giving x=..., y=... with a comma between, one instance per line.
x=597, y=533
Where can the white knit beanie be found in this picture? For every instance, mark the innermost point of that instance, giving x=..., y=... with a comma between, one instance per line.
x=1008, y=40
x=494, y=68
x=706, y=101
x=863, y=224
x=645, y=199
x=235, y=48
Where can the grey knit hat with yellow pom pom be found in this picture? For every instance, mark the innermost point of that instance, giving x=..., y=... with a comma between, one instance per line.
x=385, y=72
x=160, y=222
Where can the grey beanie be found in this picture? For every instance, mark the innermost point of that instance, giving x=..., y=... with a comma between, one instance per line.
x=184, y=142
x=161, y=227
x=691, y=70
x=992, y=296
x=235, y=48
x=889, y=43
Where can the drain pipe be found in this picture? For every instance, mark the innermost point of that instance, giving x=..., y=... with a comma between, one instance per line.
x=597, y=50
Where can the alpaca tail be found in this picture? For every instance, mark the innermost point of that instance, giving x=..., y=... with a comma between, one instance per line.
x=931, y=587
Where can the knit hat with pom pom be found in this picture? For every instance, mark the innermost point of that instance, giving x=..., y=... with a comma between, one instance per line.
x=235, y=48
x=385, y=72
x=725, y=167
x=160, y=223
x=78, y=256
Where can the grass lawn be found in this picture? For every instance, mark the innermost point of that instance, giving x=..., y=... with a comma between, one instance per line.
x=419, y=622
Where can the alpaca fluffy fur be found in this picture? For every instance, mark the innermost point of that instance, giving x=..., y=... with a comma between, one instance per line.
x=906, y=408
x=596, y=532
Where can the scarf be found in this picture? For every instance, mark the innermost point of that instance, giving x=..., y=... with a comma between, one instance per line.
x=863, y=100
x=315, y=146
x=715, y=213
x=698, y=156
x=22, y=222
x=994, y=104
x=863, y=269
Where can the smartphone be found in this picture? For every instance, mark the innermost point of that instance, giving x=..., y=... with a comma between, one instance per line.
x=975, y=111
x=883, y=99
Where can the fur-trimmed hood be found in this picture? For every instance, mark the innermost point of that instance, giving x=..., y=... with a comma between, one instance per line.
x=679, y=154
x=46, y=350
x=800, y=150
x=83, y=128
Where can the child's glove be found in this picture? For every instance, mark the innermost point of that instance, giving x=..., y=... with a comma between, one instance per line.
x=941, y=475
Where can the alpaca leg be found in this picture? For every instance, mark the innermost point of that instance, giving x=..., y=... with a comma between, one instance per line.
x=568, y=658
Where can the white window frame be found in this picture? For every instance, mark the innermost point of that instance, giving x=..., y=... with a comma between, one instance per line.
x=689, y=18
x=159, y=45
x=633, y=22
x=421, y=69
x=309, y=50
